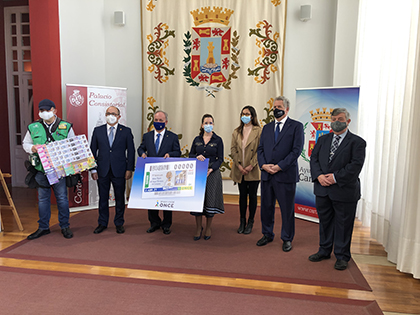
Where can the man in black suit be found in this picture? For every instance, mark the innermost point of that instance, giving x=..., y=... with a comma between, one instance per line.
x=112, y=146
x=336, y=162
x=159, y=143
x=280, y=146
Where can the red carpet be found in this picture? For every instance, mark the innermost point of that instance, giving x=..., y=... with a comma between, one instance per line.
x=225, y=254
x=28, y=292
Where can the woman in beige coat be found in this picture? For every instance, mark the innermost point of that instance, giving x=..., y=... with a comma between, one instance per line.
x=245, y=171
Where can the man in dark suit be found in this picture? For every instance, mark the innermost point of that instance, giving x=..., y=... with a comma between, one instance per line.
x=336, y=162
x=280, y=146
x=159, y=143
x=112, y=146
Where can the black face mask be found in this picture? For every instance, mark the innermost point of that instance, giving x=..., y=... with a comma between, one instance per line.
x=338, y=126
x=278, y=112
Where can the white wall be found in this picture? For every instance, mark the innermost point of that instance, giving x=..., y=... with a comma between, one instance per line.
x=309, y=53
x=94, y=51
x=123, y=59
x=82, y=42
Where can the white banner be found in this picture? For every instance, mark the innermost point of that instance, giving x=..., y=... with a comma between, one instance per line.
x=86, y=107
x=211, y=57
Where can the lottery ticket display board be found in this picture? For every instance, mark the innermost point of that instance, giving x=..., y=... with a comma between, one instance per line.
x=65, y=157
x=169, y=184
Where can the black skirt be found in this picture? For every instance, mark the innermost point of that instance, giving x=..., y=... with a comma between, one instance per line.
x=213, y=200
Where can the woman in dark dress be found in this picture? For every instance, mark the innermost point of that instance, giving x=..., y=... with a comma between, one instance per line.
x=208, y=145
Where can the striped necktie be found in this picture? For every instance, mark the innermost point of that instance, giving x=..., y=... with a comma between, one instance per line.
x=334, y=146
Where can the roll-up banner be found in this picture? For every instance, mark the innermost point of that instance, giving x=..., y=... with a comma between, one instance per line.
x=313, y=109
x=86, y=107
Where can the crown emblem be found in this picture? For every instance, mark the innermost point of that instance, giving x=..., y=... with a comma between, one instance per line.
x=217, y=15
x=321, y=115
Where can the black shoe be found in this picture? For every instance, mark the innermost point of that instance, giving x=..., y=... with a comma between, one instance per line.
x=166, y=230
x=196, y=238
x=287, y=246
x=318, y=257
x=99, y=229
x=340, y=264
x=67, y=233
x=120, y=229
x=249, y=226
x=38, y=233
x=153, y=228
x=241, y=228
x=264, y=241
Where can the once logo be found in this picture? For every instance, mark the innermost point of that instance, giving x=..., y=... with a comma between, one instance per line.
x=166, y=204
x=76, y=99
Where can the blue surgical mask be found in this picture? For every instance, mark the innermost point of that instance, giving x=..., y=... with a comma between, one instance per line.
x=246, y=119
x=158, y=125
x=208, y=128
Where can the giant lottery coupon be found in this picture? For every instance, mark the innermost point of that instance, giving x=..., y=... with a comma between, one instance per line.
x=174, y=179
x=65, y=157
x=176, y=184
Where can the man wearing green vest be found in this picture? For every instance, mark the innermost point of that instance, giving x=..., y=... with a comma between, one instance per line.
x=45, y=130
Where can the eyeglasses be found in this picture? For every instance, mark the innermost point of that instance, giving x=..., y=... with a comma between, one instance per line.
x=113, y=114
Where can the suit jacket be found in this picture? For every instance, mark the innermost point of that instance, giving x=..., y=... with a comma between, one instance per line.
x=250, y=157
x=169, y=144
x=346, y=166
x=284, y=152
x=120, y=157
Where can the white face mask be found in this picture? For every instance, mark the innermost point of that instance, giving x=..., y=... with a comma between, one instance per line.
x=46, y=115
x=111, y=119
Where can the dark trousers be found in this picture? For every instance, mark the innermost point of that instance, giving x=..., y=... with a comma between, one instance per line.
x=104, y=184
x=248, y=188
x=336, y=222
x=155, y=220
x=284, y=193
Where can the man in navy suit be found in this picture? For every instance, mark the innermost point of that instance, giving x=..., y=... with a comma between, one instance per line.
x=112, y=146
x=336, y=162
x=159, y=143
x=280, y=146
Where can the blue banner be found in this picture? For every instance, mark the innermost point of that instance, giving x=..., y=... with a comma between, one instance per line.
x=313, y=109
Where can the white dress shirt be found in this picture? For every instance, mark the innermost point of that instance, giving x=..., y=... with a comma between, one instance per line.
x=282, y=122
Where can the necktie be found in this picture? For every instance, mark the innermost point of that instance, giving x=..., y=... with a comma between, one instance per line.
x=111, y=136
x=334, y=146
x=277, y=131
x=157, y=143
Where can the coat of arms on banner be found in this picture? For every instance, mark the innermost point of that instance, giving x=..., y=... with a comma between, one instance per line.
x=211, y=61
x=76, y=99
x=320, y=126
